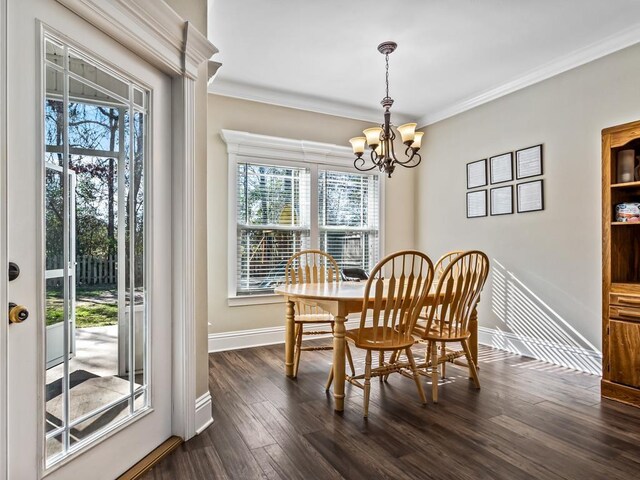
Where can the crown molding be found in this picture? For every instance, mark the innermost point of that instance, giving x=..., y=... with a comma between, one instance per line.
x=151, y=29
x=264, y=146
x=594, y=51
x=254, y=93
x=609, y=45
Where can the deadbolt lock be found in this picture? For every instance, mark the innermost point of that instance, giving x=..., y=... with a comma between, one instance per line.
x=14, y=271
x=17, y=313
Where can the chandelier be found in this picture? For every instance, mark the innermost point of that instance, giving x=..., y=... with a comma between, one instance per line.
x=380, y=139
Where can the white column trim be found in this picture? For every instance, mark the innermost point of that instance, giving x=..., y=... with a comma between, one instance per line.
x=204, y=417
x=156, y=33
x=184, y=340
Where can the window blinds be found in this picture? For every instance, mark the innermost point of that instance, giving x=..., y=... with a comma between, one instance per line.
x=275, y=219
x=349, y=218
x=273, y=212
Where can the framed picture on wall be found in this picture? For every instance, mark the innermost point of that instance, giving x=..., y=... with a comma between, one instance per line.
x=501, y=168
x=530, y=196
x=529, y=162
x=477, y=174
x=501, y=199
x=477, y=204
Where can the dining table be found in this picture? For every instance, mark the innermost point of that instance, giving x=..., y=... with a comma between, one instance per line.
x=341, y=299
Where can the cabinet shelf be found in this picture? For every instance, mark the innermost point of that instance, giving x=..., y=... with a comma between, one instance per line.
x=621, y=273
x=626, y=185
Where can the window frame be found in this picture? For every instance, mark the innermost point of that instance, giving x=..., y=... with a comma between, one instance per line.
x=243, y=147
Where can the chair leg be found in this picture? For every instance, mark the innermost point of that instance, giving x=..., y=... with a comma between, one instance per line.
x=350, y=359
x=427, y=354
x=434, y=371
x=367, y=382
x=381, y=363
x=473, y=371
x=443, y=351
x=296, y=357
x=392, y=360
x=329, y=380
x=416, y=376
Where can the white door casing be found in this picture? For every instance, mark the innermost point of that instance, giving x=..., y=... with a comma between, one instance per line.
x=3, y=239
x=156, y=34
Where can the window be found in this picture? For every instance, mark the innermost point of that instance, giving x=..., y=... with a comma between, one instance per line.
x=273, y=223
x=287, y=200
x=348, y=217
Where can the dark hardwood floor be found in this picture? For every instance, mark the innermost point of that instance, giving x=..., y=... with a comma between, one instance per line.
x=530, y=420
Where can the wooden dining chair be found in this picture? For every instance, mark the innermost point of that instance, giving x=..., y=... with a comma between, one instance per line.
x=398, y=287
x=311, y=266
x=457, y=293
x=441, y=264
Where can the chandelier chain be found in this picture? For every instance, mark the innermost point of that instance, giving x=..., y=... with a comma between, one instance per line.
x=387, y=73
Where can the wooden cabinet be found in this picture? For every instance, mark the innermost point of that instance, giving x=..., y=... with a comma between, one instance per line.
x=620, y=273
x=624, y=357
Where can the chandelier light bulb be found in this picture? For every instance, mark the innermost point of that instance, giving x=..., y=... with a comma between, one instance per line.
x=373, y=136
x=358, y=144
x=407, y=132
x=417, y=141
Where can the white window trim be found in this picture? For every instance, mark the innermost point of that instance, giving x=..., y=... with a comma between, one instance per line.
x=250, y=147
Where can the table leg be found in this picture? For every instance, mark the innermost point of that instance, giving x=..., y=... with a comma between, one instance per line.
x=289, y=338
x=338, y=362
x=473, y=338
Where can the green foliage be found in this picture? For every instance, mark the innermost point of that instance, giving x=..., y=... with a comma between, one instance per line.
x=88, y=314
x=96, y=315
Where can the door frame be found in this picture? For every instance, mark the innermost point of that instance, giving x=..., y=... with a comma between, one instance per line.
x=162, y=38
x=4, y=472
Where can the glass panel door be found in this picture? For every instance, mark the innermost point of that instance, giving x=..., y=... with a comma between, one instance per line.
x=54, y=271
x=95, y=154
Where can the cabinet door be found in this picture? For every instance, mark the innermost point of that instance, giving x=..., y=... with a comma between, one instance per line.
x=624, y=352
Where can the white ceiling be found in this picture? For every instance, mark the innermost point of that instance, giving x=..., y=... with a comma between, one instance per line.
x=452, y=54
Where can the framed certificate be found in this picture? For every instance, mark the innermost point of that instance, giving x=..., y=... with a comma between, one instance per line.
x=501, y=168
x=530, y=196
x=529, y=162
x=477, y=204
x=477, y=174
x=501, y=200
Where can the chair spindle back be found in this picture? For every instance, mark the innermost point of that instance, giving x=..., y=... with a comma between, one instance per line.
x=403, y=279
x=457, y=293
x=443, y=261
x=311, y=266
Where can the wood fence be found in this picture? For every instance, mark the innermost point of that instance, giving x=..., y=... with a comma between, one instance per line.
x=92, y=270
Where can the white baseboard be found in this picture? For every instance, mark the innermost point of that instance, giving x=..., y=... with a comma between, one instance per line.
x=570, y=356
x=258, y=337
x=203, y=413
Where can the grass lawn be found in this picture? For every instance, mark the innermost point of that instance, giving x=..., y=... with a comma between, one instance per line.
x=88, y=314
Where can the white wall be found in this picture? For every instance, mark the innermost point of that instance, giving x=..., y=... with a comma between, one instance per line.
x=253, y=117
x=544, y=295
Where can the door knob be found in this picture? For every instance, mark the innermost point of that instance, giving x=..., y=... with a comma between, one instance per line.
x=17, y=313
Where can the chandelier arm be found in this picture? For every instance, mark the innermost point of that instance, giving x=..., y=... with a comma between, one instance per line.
x=376, y=159
x=392, y=150
x=411, y=158
x=362, y=163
